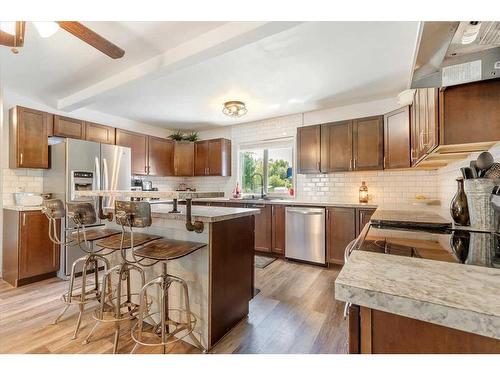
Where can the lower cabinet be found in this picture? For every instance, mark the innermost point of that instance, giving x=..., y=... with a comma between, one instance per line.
x=263, y=227
x=378, y=332
x=278, y=229
x=340, y=230
x=28, y=253
x=343, y=225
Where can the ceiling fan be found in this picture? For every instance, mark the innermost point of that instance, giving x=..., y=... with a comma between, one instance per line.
x=12, y=35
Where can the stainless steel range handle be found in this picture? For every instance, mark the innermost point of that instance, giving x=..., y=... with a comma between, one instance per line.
x=348, y=250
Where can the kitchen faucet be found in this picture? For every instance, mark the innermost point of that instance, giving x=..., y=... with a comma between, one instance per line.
x=262, y=195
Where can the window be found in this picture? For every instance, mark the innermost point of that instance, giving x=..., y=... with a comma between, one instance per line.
x=268, y=164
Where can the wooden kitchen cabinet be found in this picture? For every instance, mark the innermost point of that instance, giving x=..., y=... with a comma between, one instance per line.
x=28, y=138
x=424, y=123
x=343, y=225
x=263, y=227
x=309, y=149
x=363, y=216
x=373, y=331
x=278, y=229
x=336, y=147
x=160, y=157
x=28, y=253
x=138, y=143
x=368, y=143
x=99, y=133
x=340, y=230
x=212, y=157
x=67, y=127
x=183, y=158
x=397, y=139
x=470, y=113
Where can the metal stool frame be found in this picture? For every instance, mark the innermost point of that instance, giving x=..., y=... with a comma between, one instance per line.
x=54, y=210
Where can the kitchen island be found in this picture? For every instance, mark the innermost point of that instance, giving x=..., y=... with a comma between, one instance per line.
x=414, y=291
x=219, y=275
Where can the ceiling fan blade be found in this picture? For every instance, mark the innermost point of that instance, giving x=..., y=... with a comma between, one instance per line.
x=16, y=40
x=90, y=37
x=7, y=39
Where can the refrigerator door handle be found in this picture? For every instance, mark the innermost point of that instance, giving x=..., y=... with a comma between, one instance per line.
x=106, y=176
x=97, y=179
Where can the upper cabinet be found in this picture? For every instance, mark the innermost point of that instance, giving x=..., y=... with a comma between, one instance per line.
x=183, y=158
x=138, y=143
x=67, y=127
x=368, y=143
x=470, y=113
x=212, y=157
x=29, y=146
x=350, y=145
x=99, y=133
x=336, y=147
x=397, y=138
x=309, y=149
x=424, y=123
x=160, y=157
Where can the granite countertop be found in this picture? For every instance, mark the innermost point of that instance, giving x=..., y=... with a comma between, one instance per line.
x=290, y=202
x=22, y=208
x=463, y=297
x=200, y=213
x=150, y=194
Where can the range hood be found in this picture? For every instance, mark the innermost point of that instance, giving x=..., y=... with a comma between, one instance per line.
x=452, y=53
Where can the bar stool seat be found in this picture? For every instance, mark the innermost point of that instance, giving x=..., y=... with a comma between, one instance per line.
x=167, y=249
x=94, y=234
x=114, y=242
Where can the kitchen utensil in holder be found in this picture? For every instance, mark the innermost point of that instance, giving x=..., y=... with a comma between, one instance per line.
x=482, y=215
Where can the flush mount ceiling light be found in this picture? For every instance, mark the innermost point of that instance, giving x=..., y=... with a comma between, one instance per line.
x=234, y=108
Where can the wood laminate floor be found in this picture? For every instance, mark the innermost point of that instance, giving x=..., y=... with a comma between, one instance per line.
x=295, y=312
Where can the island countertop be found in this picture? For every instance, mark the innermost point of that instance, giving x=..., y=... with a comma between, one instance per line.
x=463, y=297
x=150, y=194
x=199, y=213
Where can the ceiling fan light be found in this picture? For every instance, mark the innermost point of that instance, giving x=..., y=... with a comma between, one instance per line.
x=8, y=27
x=46, y=29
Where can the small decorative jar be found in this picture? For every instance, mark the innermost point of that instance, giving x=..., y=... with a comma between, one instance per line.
x=363, y=193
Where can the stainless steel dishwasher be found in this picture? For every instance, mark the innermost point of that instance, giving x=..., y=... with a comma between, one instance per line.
x=305, y=234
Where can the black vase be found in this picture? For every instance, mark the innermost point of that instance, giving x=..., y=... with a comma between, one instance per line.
x=458, y=208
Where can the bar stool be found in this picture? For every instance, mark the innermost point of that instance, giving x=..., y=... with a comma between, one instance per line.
x=82, y=213
x=118, y=306
x=135, y=214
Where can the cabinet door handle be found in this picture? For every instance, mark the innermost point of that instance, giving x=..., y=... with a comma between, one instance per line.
x=208, y=170
x=384, y=161
x=350, y=164
x=318, y=166
x=21, y=162
x=24, y=219
x=258, y=206
x=354, y=163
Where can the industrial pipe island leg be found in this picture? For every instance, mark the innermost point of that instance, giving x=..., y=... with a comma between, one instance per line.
x=174, y=209
x=197, y=226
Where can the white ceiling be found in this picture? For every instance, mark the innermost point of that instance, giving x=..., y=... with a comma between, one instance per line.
x=292, y=68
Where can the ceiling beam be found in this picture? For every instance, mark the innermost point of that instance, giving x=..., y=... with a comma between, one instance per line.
x=223, y=39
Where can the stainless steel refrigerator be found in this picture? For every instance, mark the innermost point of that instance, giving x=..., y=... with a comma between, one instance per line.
x=82, y=165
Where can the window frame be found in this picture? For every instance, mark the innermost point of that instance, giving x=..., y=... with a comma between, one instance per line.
x=267, y=145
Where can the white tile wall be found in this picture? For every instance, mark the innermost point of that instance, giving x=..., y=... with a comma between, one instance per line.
x=18, y=180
